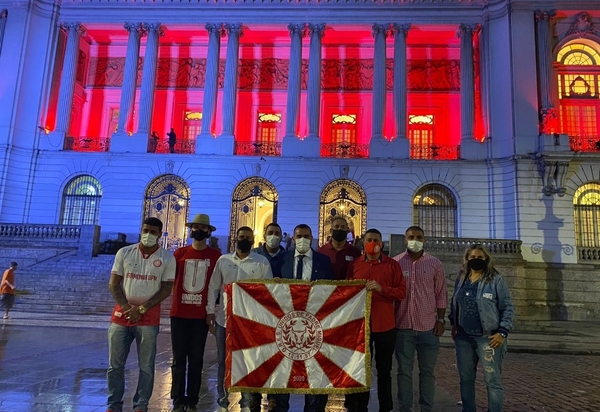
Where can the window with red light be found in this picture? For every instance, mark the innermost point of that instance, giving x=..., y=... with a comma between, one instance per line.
x=343, y=129
x=268, y=128
x=420, y=136
x=579, y=92
x=192, y=124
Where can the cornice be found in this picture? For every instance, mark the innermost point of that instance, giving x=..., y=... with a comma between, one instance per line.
x=408, y=3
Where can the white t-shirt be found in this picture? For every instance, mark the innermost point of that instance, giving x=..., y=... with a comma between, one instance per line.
x=142, y=276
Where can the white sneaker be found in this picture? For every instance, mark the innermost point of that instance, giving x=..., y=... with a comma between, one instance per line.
x=221, y=409
x=245, y=409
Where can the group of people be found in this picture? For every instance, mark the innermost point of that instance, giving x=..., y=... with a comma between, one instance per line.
x=408, y=311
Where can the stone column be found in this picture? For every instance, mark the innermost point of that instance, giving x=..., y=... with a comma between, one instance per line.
x=230, y=84
x=211, y=83
x=379, y=81
x=294, y=80
x=548, y=114
x=3, y=17
x=154, y=31
x=67, y=81
x=314, y=79
x=400, y=74
x=136, y=31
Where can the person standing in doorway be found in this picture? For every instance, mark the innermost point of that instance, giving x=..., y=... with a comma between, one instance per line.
x=172, y=140
x=242, y=264
x=384, y=278
x=419, y=320
x=339, y=250
x=141, y=278
x=7, y=289
x=195, y=264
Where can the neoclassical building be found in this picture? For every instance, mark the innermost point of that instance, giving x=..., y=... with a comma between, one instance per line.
x=472, y=118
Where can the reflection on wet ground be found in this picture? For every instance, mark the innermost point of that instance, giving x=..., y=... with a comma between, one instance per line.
x=62, y=369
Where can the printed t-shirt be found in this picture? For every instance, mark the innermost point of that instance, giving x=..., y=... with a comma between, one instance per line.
x=194, y=269
x=340, y=259
x=142, y=278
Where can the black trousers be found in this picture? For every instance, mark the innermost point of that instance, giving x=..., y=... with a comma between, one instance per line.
x=384, y=344
x=188, y=338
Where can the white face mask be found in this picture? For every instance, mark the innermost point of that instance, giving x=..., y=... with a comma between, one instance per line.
x=273, y=241
x=415, y=246
x=302, y=245
x=149, y=240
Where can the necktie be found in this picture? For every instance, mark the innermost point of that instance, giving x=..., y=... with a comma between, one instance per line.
x=300, y=266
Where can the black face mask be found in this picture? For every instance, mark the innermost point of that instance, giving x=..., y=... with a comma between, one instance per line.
x=477, y=264
x=199, y=234
x=339, y=235
x=244, y=245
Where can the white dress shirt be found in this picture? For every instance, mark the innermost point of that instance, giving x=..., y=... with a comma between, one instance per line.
x=307, y=264
x=230, y=268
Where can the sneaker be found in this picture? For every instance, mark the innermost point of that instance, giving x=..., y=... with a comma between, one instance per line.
x=221, y=409
x=245, y=409
x=180, y=408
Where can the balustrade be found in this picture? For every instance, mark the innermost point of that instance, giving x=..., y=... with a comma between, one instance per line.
x=87, y=144
x=14, y=230
x=588, y=254
x=162, y=146
x=435, y=152
x=585, y=143
x=257, y=149
x=345, y=150
x=506, y=247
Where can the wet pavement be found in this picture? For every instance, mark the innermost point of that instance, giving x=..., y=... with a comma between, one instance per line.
x=57, y=363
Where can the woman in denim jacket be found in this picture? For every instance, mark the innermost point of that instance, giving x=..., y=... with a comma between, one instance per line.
x=481, y=316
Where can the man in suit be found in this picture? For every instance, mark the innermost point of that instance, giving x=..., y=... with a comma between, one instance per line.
x=304, y=263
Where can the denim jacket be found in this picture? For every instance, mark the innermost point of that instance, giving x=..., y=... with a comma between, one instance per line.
x=495, y=305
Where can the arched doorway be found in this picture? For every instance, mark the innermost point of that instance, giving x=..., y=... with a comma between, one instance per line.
x=253, y=204
x=586, y=208
x=81, y=201
x=434, y=210
x=167, y=198
x=342, y=197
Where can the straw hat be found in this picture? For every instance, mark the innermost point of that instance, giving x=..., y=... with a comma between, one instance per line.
x=201, y=219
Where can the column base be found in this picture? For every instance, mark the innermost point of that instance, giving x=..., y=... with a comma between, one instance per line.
x=123, y=142
x=471, y=149
x=295, y=147
x=223, y=145
x=53, y=141
x=380, y=147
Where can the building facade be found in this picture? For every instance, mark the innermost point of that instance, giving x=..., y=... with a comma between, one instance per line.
x=471, y=118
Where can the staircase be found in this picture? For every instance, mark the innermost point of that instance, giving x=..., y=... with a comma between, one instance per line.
x=68, y=284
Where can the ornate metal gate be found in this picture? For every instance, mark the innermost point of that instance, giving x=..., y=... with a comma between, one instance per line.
x=342, y=197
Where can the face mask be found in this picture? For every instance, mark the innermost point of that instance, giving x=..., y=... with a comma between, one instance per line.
x=273, y=241
x=302, y=245
x=477, y=264
x=148, y=240
x=339, y=235
x=372, y=248
x=415, y=246
x=244, y=245
x=199, y=234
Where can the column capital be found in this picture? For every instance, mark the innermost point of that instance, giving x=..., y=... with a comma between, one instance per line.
x=157, y=27
x=215, y=28
x=380, y=28
x=544, y=15
x=297, y=29
x=401, y=28
x=234, y=28
x=317, y=29
x=76, y=27
x=468, y=29
x=138, y=27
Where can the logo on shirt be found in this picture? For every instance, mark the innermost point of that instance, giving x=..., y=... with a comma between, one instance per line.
x=157, y=263
x=488, y=296
x=299, y=335
x=194, y=275
x=349, y=258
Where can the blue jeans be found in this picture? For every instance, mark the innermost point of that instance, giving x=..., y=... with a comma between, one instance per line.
x=119, y=344
x=312, y=403
x=251, y=400
x=470, y=350
x=427, y=346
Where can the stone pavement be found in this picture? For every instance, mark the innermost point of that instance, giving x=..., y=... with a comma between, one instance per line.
x=57, y=363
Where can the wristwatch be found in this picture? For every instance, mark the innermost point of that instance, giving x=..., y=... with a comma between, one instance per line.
x=503, y=334
x=142, y=309
x=442, y=320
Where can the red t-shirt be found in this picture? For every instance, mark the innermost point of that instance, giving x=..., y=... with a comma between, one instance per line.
x=194, y=269
x=340, y=259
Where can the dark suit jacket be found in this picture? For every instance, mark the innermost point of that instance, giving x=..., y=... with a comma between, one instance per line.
x=321, y=266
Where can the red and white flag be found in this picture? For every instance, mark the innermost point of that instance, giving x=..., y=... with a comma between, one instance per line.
x=298, y=337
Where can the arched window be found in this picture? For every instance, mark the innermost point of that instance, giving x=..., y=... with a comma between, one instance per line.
x=253, y=204
x=167, y=198
x=578, y=83
x=346, y=198
x=434, y=210
x=586, y=207
x=81, y=201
